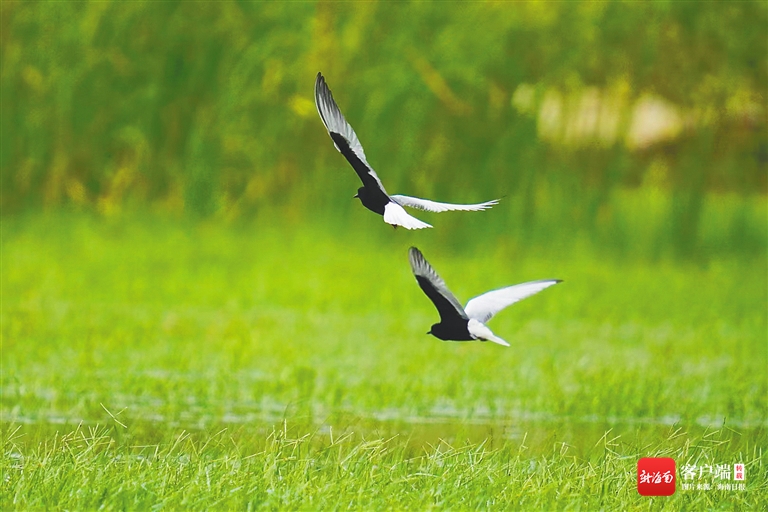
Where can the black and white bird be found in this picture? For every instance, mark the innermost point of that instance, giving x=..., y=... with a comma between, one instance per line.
x=372, y=194
x=467, y=323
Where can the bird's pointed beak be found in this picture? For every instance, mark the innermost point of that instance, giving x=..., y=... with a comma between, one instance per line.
x=354, y=196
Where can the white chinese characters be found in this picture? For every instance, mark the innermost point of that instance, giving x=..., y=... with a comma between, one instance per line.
x=721, y=474
x=656, y=477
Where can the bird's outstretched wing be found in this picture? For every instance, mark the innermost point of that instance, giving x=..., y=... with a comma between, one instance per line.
x=433, y=285
x=434, y=206
x=483, y=307
x=344, y=137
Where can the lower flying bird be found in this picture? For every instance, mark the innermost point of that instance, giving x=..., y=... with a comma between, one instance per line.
x=372, y=193
x=467, y=323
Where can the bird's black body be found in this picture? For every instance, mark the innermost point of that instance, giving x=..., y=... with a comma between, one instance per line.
x=370, y=194
x=372, y=199
x=451, y=332
x=452, y=325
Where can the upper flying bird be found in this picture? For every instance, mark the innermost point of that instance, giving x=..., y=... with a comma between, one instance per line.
x=372, y=193
x=467, y=323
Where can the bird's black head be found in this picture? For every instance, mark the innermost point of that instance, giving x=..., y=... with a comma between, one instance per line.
x=437, y=331
x=360, y=193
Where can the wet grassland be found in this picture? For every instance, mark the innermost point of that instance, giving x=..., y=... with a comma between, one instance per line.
x=156, y=362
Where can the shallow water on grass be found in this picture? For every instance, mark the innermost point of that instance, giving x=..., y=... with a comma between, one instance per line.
x=533, y=432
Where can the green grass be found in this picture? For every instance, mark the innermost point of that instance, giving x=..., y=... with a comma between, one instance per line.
x=149, y=362
x=92, y=468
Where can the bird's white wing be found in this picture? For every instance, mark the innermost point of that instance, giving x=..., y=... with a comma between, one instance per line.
x=434, y=206
x=483, y=307
x=335, y=122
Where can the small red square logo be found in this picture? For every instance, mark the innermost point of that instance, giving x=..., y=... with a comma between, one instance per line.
x=656, y=476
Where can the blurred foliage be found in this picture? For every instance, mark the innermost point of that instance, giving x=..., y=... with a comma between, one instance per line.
x=206, y=107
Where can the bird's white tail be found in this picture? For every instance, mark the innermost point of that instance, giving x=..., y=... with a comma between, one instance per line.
x=497, y=340
x=397, y=216
x=482, y=332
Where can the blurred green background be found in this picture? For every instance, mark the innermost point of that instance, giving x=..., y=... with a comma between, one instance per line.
x=181, y=253
x=639, y=127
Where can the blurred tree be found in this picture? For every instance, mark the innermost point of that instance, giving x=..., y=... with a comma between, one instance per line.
x=207, y=107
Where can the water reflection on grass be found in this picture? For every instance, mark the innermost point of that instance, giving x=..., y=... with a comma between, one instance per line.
x=532, y=433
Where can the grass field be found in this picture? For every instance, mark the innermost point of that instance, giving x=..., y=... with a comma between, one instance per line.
x=152, y=363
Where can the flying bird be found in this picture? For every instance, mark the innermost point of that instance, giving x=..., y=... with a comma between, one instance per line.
x=372, y=194
x=467, y=323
